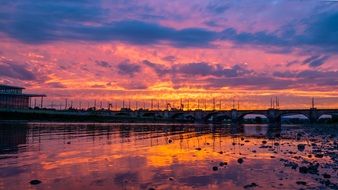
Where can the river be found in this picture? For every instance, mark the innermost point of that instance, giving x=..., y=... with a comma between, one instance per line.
x=167, y=156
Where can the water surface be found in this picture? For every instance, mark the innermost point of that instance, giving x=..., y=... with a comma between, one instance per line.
x=166, y=156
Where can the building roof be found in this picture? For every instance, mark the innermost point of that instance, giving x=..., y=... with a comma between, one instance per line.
x=2, y=86
x=8, y=87
x=27, y=95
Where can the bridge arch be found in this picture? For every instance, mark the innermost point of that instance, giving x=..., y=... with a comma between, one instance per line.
x=217, y=117
x=254, y=117
x=293, y=117
x=327, y=117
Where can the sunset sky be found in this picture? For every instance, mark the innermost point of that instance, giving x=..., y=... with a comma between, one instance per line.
x=110, y=50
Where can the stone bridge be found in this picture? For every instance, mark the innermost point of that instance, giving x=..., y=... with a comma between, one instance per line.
x=273, y=115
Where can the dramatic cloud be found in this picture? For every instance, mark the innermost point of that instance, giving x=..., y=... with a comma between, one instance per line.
x=217, y=76
x=197, y=69
x=205, y=69
x=15, y=71
x=126, y=68
x=56, y=85
x=48, y=21
x=103, y=64
x=310, y=77
x=316, y=60
x=169, y=46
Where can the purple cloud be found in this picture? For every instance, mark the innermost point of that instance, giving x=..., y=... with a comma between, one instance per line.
x=126, y=68
x=16, y=71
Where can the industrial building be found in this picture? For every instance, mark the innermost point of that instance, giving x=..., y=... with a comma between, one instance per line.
x=12, y=97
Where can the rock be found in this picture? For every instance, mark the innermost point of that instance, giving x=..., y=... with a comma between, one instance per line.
x=171, y=178
x=151, y=188
x=325, y=175
x=264, y=142
x=68, y=142
x=221, y=152
x=246, y=141
x=301, y=183
x=198, y=148
x=170, y=141
x=290, y=164
x=223, y=163
x=240, y=160
x=35, y=182
x=303, y=170
x=242, y=139
x=215, y=168
x=319, y=155
x=276, y=144
x=313, y=169
x=301, y=147
x=251, y=185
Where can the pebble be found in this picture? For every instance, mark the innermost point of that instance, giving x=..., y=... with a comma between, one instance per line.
x=325, y=175
x=198, y=149
x=250, y=185
x=215, y=168
x=301, y=183
x=313, y=169
x=264, y=142
x=35, y=182
x=303, y=170
x=301, y=147
x=240, y=160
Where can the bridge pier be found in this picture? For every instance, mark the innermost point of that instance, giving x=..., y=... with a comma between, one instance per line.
x=234, y=116
x=198, y=115
x=313, y=115
x=273, y=116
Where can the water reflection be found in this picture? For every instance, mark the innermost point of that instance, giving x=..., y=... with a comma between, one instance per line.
x=143, y=156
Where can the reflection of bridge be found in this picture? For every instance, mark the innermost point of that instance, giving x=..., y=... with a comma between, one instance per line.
x=273, y=115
